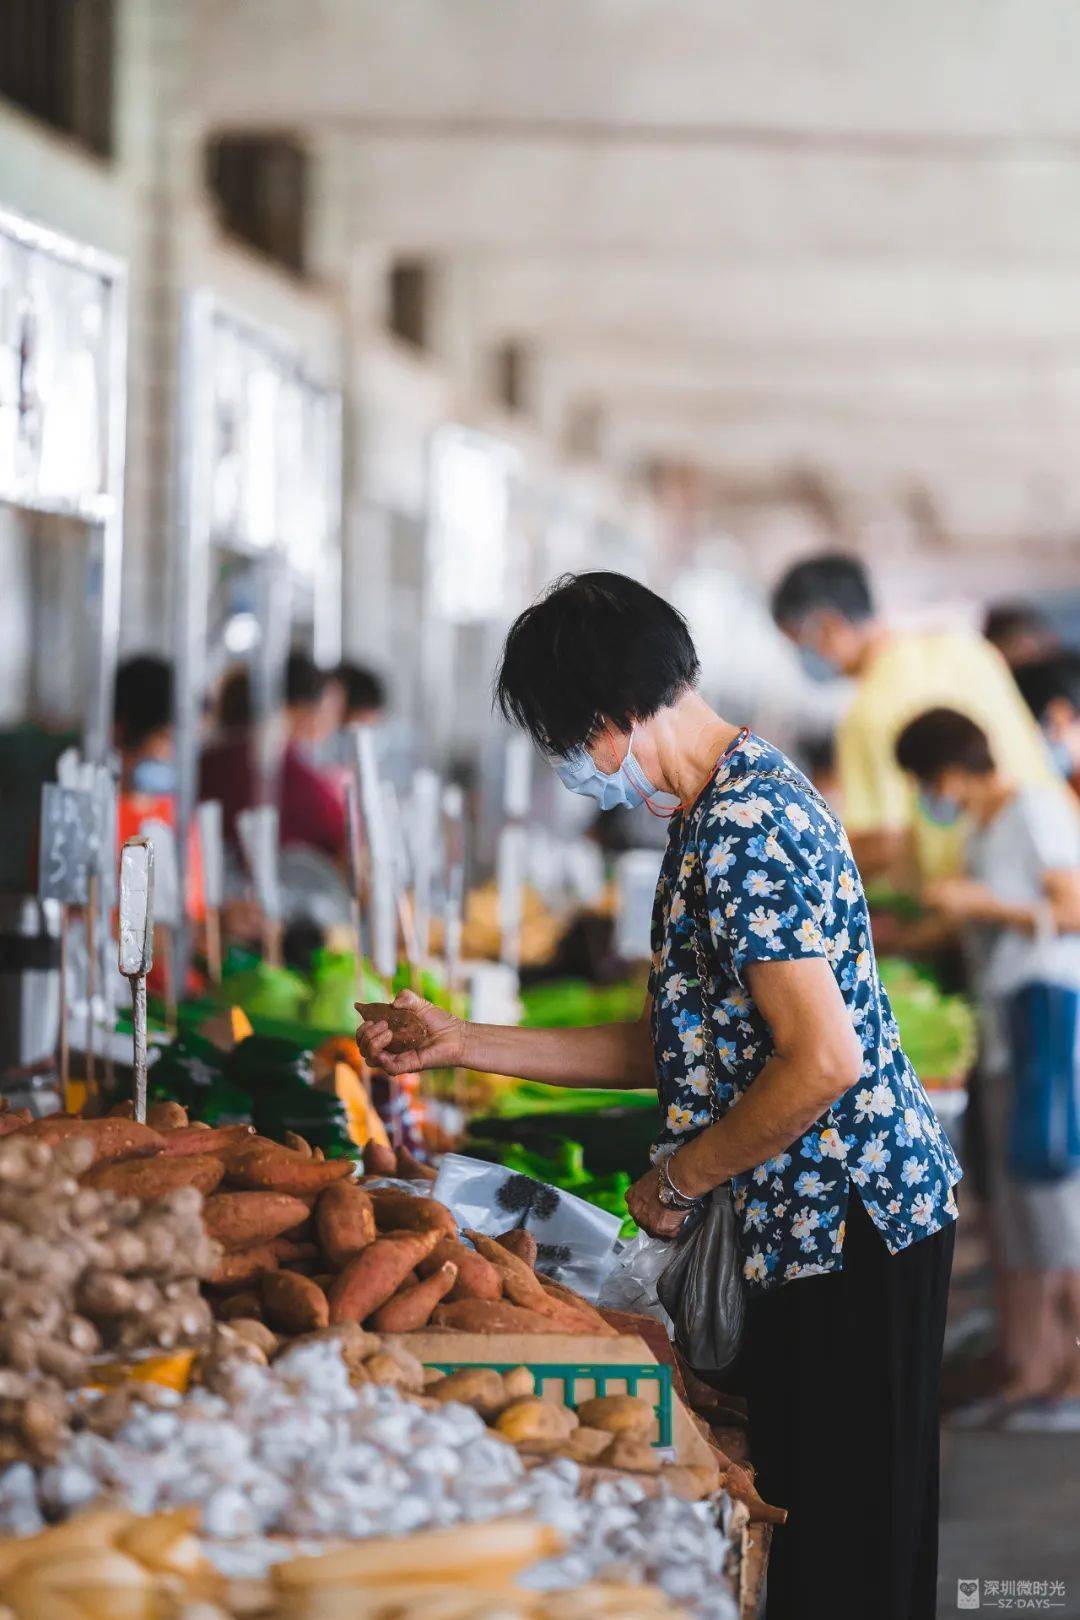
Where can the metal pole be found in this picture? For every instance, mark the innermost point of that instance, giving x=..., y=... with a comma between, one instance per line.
x=138, y=1020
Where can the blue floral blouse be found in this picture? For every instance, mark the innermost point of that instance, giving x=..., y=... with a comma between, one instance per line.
x=781, y=885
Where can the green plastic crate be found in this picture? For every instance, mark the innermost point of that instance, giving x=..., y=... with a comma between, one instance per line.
x=628, y=1375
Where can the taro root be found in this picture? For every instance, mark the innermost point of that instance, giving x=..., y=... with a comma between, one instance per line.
x=407, y=1031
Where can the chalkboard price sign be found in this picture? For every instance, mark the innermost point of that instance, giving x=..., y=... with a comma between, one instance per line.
x=67, y=844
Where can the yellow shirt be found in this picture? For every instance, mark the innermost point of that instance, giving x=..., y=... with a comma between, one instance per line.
x=913, y=672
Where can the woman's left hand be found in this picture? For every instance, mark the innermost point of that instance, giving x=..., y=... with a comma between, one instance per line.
x=643, y=1202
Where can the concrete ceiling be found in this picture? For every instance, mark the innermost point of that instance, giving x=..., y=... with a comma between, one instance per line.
x=839, y=236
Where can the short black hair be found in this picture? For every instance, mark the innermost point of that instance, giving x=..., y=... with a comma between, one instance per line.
x=831, y=580
x=142, y=699
x=1046, y=680
x=305, y=682
x=362, y=687
x=593, y=645
x=940, y=739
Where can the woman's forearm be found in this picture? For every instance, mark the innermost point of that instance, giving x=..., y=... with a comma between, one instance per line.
x=618, y=1055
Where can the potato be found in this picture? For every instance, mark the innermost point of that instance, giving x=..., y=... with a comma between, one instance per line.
x=587, y=1445
x=345, y=1222
x=166, y=1116
x=518, y=1382
x=476, y=1277
x=618, y=1414
x=250, y=1327
x=478, y=1387
x=154, y=1178
x=372, y=1276
x=632, y=1453
x=395, y=1365
x=407, y=1212
x=534, y=1419
x=278, y=1169
x=292, y=1303
x=355, y=1343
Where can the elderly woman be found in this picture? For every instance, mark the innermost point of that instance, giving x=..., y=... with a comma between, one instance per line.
x=842, y=1177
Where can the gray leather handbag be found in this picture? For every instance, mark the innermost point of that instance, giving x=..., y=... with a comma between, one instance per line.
x=701, y=1287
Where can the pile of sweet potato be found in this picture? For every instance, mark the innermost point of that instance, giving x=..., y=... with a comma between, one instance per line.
x=300, y=1258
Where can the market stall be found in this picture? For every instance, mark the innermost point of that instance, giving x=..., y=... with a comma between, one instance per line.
x=258, y=529
x=63, y=329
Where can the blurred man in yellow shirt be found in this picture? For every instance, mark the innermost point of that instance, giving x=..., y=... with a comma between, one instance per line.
x=825, y=605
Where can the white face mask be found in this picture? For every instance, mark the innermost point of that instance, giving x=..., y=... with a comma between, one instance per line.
x=623, y=788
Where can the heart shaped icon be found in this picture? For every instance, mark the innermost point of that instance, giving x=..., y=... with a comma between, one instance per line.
x=968, y=1588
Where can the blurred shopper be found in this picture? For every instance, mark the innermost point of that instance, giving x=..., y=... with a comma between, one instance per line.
x=310, y=802
x=143, y=727
x=825, y=605
x=780, y=1071
x=227, y=770
x=1020, y=906
x=363, y=695
x=1051, y=689
x=1020, y=633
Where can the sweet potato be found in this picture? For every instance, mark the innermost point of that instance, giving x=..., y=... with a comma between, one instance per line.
x=239, y=1219
x=377, y=1272
x=153, y=1178
x=205, y=1139
x=411, y=1308
x=581, y=1307
x=410, y=1168
x=407, y=1029
x=294, y=1251
x=298, y=1143
x=520, y=1283
x=244, y=1266
x=112, y=1138
x=408, y=1212
x=379, y=1160
x=523, y=1244
x=495, y=1316
x=476, y=1277
x=344, y=1221
x=293, y=1304
x=278, y=1169
x=244, y=1304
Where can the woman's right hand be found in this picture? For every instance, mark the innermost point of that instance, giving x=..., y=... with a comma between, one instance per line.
x=444, y=1047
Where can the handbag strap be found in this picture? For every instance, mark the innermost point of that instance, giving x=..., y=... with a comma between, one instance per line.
x=699, y=920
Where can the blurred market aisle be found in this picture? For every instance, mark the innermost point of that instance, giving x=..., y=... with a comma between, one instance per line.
x=1010, y=1513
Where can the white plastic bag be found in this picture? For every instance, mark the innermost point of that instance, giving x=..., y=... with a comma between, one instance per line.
x=576, y=1239
x=631, y=1283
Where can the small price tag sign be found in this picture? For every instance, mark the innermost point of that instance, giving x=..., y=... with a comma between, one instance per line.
x=68, y=844
x=136, y=956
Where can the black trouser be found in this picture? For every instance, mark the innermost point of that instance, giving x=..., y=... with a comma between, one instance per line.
x=842, y=1383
